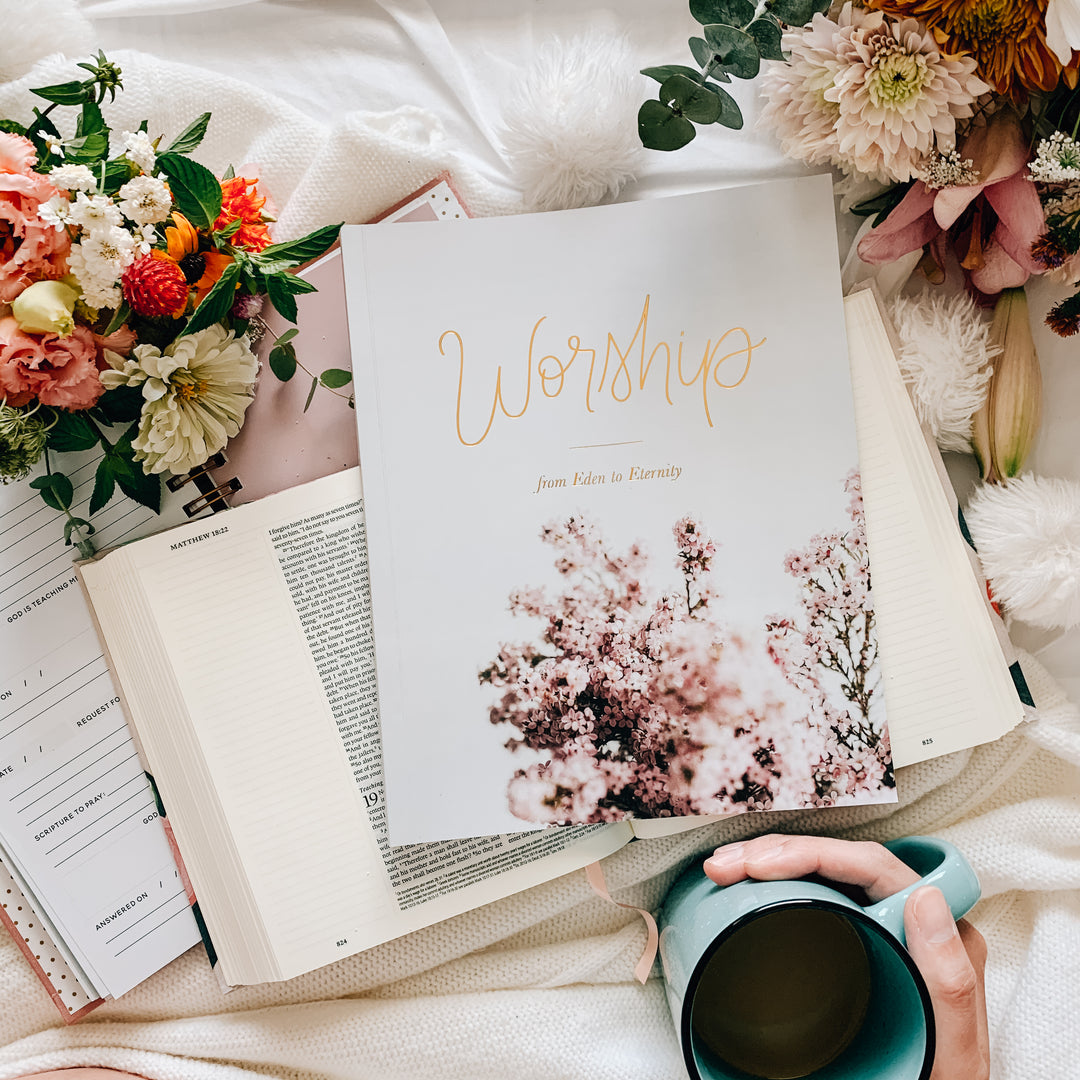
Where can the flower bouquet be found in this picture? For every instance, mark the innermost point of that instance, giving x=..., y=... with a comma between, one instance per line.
x=953, y=128
x=129, y=275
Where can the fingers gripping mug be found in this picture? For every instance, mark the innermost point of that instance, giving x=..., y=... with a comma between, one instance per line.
x=786, y=979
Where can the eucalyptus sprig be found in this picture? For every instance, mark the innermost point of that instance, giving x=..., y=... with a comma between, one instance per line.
x=737, y=36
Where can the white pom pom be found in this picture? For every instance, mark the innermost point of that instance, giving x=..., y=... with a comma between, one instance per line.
x=34, y=29
x=571, y=127
x=944, y=356
x=1027, y=534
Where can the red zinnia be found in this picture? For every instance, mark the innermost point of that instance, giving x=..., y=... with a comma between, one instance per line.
x=154, y=285
x=240, y=199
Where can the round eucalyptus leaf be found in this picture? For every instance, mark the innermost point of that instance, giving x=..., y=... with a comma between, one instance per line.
x=736, y=49
x=690, y=99
x=792, y=12
x=732, y=12
x=660, y=129
x=700, y=50
x=767, y=36
x=665, y=71
x=730, y=114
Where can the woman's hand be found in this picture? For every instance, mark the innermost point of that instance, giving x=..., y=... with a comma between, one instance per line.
x=951, y=956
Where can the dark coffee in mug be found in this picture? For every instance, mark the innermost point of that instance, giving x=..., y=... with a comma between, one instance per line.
x=784, y=994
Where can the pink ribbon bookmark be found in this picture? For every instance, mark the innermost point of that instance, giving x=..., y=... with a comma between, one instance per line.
x=599, y=886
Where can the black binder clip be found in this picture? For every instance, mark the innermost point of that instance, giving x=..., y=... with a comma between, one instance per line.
x=214, y=496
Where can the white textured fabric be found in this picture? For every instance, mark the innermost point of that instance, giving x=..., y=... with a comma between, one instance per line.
x=539, y=985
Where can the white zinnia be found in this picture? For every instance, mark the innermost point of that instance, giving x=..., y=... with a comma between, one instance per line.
x=1063, y=28
x=145, y=200
x=195, y=395
x=73, y=178
x=139, y=149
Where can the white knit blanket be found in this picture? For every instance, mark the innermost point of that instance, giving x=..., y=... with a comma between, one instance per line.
x=540, y=985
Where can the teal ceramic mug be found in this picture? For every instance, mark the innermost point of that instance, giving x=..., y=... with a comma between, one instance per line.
x=794, y=979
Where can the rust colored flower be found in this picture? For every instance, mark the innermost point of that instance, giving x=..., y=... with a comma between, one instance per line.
x=1006, y=37
x=155, y=285
x=201, y=268
x=241, y=201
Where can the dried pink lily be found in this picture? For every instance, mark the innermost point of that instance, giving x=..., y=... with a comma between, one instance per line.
x=989, y=224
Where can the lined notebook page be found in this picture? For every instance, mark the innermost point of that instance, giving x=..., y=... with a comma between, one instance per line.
x=947, y=683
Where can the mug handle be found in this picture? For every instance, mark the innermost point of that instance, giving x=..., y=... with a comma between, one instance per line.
x=941, y=865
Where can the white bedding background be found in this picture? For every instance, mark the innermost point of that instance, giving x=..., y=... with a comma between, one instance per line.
x=347, y=107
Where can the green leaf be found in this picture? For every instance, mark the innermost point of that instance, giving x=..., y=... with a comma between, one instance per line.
x=41, y=124
x=795, y=12
x=298, y=285
x=68, y=93
x=117, y=173
x=104, y=485
x=335, y=378
x=195, y=190
x=230, y=230
x=88, y=150
x=71, y=432
x=699, y=49
x=217, y=302
x=306, y=248
x=311, y=394
x=190, y=137
x=90, y=120
x=884, y=204
x=687, y=98
x=736, y=50
x=121, y=405
x=282, y=360
x=730, y=114
x=228, y=174
x=283, y=300
x=144, y=489
x=120, y=316
x=55, y=490
x=74, y=523
x=660, y=129
x=731, y=12
x=12, y=128
x=767, y=35
x=665, y=71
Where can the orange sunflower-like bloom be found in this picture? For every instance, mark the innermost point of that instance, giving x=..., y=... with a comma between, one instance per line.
x=201, y=269
x=240, y=200
x=1006, y=37
x=155, y=285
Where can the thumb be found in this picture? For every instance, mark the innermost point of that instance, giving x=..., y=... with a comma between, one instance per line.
x=955, y=981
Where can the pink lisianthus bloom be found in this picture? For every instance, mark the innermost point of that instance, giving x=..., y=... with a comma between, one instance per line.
x=30, y=250
x=990, y=224
x=57, y=371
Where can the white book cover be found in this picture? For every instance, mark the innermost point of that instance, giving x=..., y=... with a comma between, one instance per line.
x=618, y=564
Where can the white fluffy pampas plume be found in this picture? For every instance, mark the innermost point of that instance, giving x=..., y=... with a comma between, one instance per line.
x=570, y=130
x=1027, y=534
x=945, y=358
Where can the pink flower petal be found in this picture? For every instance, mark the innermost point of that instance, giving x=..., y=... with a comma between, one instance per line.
x=1020, y=218
x=998, y=271
x=907, y=228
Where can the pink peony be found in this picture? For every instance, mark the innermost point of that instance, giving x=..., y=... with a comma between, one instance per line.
x=30, y=250
x=58, y=371
x=990, y=224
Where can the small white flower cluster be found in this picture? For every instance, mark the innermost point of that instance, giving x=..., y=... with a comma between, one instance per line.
x=111, y=234
x=947, y=170
x=1057, y=160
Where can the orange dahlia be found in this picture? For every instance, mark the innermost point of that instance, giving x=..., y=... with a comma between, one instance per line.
x=154, y=285
x=1006, y=37
x=240, y=200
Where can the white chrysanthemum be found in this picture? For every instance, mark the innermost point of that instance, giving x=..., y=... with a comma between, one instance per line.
x=796, y=103
x=145, y=200
x=92, y=212
x=945, y=354
x=195, y=396
x=73, y=178
x=867, y=94
x=1027, y=534
x=139, y=149
x=898, y=95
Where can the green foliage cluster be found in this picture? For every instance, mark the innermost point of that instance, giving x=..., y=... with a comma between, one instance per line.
x=736, y=36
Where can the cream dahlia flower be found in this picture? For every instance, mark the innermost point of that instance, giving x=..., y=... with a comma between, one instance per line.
x=195, y=395
x=869, y=95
